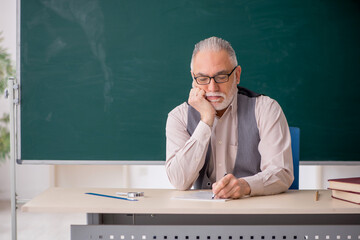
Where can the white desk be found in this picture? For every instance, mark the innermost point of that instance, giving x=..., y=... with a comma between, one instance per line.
x=290, y=215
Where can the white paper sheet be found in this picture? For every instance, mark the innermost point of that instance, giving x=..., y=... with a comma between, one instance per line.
x=199, y=196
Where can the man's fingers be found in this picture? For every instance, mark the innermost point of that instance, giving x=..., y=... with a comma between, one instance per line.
x=198, y=101
x=197, y=92
x=227, y=187
x=201, y=92
x=227, y=191
x=234, y=190
x=222, y=184
x=231, y=187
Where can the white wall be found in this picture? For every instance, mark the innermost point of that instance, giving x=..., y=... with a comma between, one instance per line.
x=4, y=180
x=31, y=180
x=111, y=176
x=7, y=26
x=315, y=177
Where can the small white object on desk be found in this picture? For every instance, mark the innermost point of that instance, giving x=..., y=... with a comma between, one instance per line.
x=200, y=196
x=131, y=194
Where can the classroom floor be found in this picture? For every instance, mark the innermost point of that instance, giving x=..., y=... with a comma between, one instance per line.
x=39, y=226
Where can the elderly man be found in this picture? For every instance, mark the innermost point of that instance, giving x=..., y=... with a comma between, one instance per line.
x=226, y=137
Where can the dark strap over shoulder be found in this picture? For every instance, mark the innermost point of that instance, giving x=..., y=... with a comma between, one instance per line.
x=247, y=92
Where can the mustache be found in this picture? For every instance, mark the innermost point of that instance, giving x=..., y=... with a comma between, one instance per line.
x=215, y=94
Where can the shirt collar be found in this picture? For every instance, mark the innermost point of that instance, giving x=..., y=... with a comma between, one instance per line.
x=233, y=104
x=232, y=108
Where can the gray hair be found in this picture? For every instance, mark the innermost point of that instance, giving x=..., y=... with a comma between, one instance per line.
x=214, y=44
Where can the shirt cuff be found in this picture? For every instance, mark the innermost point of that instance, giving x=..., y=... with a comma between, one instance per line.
x=202, y=132
x=256, y=185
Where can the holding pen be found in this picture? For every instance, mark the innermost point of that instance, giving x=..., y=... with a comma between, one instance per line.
x=213, y=196
x=231, y=187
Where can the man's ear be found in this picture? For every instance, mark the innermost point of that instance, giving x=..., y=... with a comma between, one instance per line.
x=238, y=73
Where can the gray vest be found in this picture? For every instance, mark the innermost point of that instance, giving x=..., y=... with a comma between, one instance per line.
x=248, y=158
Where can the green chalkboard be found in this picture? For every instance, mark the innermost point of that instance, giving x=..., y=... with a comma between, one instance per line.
x=98, y=77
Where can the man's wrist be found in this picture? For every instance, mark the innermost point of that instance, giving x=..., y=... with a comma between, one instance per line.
x=208, y=120
x=245, y=187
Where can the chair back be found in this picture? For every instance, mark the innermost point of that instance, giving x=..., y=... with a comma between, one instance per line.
x=295, y=147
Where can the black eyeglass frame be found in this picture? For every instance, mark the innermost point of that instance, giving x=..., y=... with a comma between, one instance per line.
x=228, y=75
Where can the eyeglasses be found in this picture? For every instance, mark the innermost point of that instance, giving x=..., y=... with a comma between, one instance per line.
x=221, y=78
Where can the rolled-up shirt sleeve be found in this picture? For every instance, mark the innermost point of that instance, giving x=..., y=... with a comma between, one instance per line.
x=275, y=149
x=185, y=154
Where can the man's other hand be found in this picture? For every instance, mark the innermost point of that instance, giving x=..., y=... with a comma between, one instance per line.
x=231, y=187
x=198, y=101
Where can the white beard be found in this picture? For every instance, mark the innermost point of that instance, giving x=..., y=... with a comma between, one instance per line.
x=227, y=98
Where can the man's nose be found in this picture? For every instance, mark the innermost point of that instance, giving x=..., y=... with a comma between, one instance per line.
x=213, y=86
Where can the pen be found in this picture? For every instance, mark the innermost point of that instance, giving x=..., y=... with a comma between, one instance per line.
x=213, y=196
x=109, y=196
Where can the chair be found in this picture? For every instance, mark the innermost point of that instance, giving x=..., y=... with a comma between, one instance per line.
x=295, y=147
